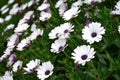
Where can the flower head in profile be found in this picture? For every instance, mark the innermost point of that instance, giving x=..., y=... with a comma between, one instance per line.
x=24, y=44
x=117, y=9
x=32, y=66
x=7, y=76
x=93, y=32
x=58, y=46
x=83, y=54
x=61, y=31
x=17, y=65
x=71, y=13
x=45, y=70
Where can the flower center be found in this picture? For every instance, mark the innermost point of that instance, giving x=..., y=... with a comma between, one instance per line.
x=94, y=34
x=47, y=72
x=61, y=48
x=66, y=31
x=84, y=57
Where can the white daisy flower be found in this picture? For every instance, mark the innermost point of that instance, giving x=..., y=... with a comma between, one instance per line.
x=45, y=70
x=55, y=33
x=25, y=43
x=43, y=6
x=71, y=13
x=35, y=34
x=7, y=18
x=44, y=16
x=10, y=1
x=119, y=29
x=7, y=76
x=24, y=6
x=17, y=65
x=8, y=51
x=30, y=3
x=58, y=46
x=93, y=32
x=10, y=26
x=1, y=20
x=33, y=27
x=13, y=41
x=3, y=8
x=14, y=9
x=5, y=11
x=29, y=15
x=59, y=3
x=61, y=31
x=117, y=9
x=33, y=65
x=66, y=29
x=11, y=60
x=21, y=28
x=62, y=9
x=77, y=3
x=83, y=54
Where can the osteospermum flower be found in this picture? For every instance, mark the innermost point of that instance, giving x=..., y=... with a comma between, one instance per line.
x=71, y=13
x=23, y=44
x=35, y=34
x=45, y=70
x=13, y=41
x=83, y=54
x=61, y=31
x=32, y=66
x=117, y=9
x=17, y=65
x=21, y=28
x=7, y=76
x=44, y=16
x=93, y=32
x=11, y=60
x=58, y=46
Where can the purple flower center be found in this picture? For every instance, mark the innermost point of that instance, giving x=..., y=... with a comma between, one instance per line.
x=84, y=57
x=66, y=31
x=61, y=48
x=47, y=72
x=94, y=34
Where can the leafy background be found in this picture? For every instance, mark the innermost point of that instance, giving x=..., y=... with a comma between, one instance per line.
x=105, y=65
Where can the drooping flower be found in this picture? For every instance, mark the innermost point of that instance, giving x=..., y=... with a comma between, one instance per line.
x=58, y=46
x=33, y=65
x=45, y=70
x=83, y=54
x=93, y=32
